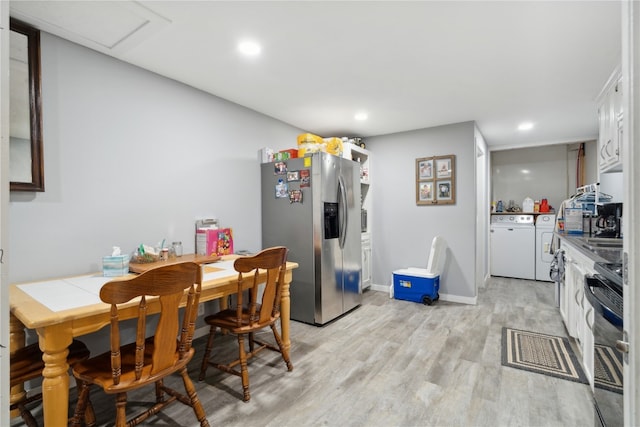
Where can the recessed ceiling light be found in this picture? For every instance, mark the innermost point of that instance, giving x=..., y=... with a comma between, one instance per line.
x=525, y=126
x=361, y=116
x=249, y=48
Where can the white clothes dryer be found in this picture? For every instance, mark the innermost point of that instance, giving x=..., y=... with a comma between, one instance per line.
x=513, y=244
x=545, y=225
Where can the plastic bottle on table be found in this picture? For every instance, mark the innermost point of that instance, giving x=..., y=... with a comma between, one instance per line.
x=177, y=248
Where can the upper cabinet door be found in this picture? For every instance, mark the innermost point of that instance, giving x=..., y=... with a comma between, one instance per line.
x=610, y=116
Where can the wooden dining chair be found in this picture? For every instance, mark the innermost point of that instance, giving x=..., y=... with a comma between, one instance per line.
x=264, y=271
x=26, y=364
x=149, y=360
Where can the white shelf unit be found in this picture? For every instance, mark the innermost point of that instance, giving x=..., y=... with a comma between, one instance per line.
x=366, y=260
x=363, y=157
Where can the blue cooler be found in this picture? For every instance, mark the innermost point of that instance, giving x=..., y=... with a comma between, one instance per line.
x=416, y=284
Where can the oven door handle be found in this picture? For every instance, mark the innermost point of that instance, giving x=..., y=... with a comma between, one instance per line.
x=597, y=303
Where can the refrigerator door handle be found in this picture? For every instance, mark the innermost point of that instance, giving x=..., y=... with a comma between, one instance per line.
x=342, y=199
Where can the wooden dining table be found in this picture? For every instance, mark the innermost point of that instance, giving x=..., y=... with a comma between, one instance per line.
x=77, y=312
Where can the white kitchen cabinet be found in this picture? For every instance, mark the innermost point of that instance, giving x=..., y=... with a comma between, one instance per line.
x=579, y=315
x=588, y=340
x=564, y=300
x=583, y=318
x=570, y=294
x=610, y=125
x=366, y=260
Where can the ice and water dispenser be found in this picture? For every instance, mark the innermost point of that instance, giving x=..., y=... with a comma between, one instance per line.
x=331, y=223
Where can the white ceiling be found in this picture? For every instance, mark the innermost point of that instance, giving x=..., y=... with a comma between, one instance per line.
x=409, y=65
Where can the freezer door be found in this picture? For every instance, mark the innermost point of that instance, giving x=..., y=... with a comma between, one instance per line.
x=292, y=225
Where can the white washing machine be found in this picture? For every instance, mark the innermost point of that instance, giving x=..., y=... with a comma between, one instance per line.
x=513, y=245
x=545, y=224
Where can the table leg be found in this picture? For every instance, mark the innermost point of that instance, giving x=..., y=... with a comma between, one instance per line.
x=285, y=310
x=16, y=341
x=54, y=342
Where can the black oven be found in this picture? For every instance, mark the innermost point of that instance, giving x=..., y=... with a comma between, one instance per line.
x=604, y=292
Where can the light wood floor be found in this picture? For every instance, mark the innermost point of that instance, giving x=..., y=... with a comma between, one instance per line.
x=395, y=363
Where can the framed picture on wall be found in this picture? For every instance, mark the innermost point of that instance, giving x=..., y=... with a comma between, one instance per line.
x=435, y=180
x=425, y=169
x=425, y=191
x=444, y=190
x=443, y=167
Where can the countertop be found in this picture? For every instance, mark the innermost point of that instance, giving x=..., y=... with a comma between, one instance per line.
x=596, y=249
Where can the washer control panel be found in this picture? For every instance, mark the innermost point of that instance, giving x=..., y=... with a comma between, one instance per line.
x=512, y=219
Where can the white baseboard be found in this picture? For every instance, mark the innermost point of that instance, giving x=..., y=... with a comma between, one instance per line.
x=379, y=288
x=459, y=299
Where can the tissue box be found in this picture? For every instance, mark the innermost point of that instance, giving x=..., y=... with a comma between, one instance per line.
x=207, y=241
x=113, y=266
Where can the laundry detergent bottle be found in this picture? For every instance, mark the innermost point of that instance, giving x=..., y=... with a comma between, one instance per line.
x=527, y=205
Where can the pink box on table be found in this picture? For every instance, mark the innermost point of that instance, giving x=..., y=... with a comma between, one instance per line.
x=225, y=241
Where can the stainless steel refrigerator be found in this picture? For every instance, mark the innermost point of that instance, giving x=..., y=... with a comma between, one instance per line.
x=311, y=205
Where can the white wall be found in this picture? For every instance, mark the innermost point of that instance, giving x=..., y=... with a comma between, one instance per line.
x=402, y=231
x=551, y=173
x=536, y=172
x=590, y=165
x=631, y=210
x=4, y=202
x=131, y=157
x=612, y=184
x=482, y=209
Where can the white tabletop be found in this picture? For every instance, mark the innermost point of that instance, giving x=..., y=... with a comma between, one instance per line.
x=80, y=291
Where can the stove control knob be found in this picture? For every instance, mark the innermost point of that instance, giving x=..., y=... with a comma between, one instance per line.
x=622, y=346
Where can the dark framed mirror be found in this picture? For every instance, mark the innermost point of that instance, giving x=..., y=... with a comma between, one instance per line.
x=26, y=164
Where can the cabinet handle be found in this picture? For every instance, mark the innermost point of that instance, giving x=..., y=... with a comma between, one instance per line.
x=586, y=319
x=622, y=346
x=575, y=297
x=580, y=297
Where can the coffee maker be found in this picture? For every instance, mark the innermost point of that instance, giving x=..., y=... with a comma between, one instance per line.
x=609, y=222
